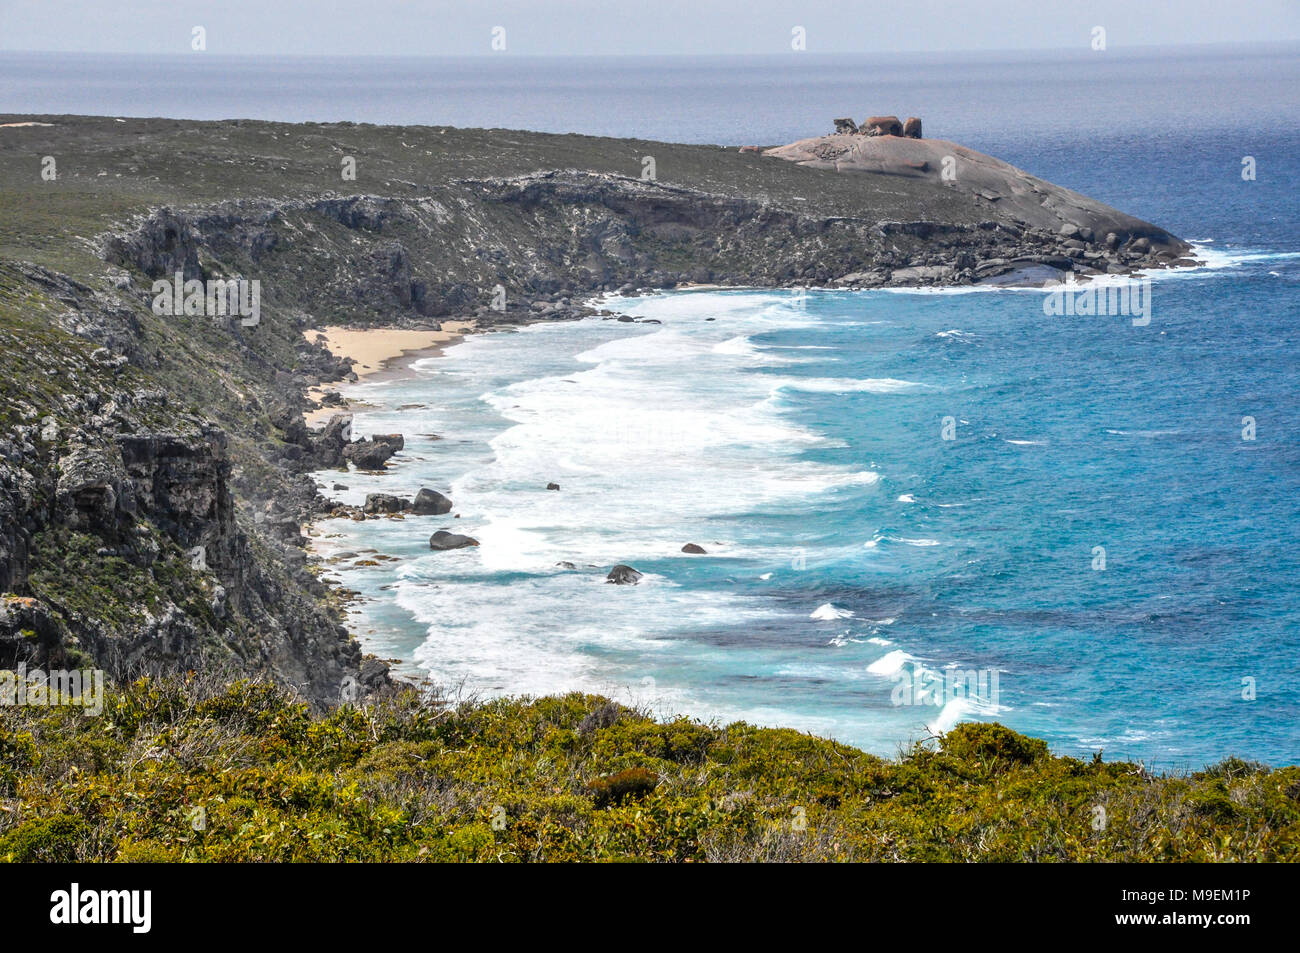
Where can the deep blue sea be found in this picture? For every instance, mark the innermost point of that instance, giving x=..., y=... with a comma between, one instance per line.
x=800, y=440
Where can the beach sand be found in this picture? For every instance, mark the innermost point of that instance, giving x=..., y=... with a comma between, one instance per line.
x=377, y=352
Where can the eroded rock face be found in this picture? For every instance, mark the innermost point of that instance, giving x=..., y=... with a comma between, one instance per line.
x=370, y=213
x=31, y=633
x=882, y=126
x=328, y=445
x=182, y=481
x=391, y=266
x=369, y=454
x=912, y=127
x=845, y=127
x=165, y=243
x=91, y=485
x=157, y=507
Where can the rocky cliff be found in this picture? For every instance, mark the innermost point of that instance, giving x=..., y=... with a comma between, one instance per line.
x=121, y=542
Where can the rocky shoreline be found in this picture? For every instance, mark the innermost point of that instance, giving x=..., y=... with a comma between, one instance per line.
x=154, y=483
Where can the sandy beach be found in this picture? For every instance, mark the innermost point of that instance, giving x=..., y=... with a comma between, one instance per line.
x=376, y=351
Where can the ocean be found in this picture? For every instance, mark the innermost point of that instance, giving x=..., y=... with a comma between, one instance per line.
x=1092, y=520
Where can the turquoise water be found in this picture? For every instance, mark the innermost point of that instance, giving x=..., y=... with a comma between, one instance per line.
x=800, y=441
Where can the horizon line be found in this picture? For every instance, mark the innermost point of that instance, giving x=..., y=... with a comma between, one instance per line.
x=891, y=53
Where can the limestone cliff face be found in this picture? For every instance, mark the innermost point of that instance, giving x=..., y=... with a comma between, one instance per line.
x=122, y=544
x=140, y=564
x=549, y=236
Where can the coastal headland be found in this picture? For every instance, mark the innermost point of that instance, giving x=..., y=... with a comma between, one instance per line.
x=155, y=464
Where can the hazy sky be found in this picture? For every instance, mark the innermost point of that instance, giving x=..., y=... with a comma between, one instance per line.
x=542, y=27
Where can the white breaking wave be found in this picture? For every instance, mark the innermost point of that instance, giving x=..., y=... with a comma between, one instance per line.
x=658, y=435
x=752, y=354
x=829, y=613
x=838, y=385
x=890, y=663
x=922, y=541
x=957, y=710
x=651, y=430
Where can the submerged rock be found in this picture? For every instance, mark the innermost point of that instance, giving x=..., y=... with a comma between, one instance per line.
x=430, y=503
x=622, y=575
x=443, y=540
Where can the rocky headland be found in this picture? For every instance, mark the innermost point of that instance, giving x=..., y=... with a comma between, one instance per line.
x=154, y=468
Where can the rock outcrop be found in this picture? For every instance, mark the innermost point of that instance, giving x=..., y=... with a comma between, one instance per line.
x=369, y=454
x=328, y=444
x=622, y=575
x=1049, y=216
x=882, y=126
x=443, y=540
x=164, y=243
x=430, y=503
x=379, y=503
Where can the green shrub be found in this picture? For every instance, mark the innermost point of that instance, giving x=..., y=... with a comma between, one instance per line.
x=622, y=786
x=17, y=752
x=988, y=744
x=45, y=840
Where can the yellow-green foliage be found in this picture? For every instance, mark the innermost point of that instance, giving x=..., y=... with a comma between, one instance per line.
x=176, y=770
